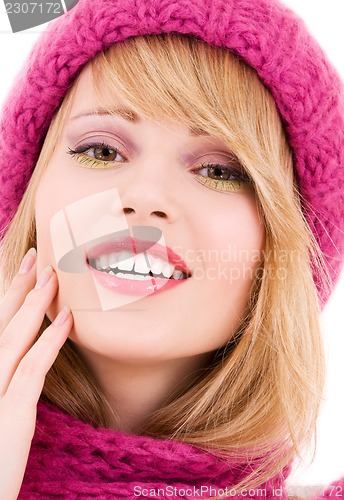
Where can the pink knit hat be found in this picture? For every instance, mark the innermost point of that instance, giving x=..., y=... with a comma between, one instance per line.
x=264, y=33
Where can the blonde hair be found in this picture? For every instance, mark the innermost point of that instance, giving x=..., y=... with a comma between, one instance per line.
x=261, y=396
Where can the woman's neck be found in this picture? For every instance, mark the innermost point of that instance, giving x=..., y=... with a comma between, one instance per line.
x=135, y=391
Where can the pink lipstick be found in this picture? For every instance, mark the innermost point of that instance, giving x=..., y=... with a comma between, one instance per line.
x=136, y=267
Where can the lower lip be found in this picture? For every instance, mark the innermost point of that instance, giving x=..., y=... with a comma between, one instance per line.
x=138, y=288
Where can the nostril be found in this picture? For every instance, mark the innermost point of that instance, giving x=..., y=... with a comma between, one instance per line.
x=128, y=210
x=159, y=214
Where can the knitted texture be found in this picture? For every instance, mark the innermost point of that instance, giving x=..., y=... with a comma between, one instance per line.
x=268, y=36
x=72, y=460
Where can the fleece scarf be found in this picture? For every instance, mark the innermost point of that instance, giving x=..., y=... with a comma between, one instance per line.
x=70, y=459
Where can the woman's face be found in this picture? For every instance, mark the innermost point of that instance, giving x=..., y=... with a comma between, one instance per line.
x=153, y=231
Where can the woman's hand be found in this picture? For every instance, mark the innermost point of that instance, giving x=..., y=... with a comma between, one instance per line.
x=24, y=364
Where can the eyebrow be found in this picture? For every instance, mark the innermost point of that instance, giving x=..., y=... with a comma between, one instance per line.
x=129, y=115
x=196, y=131
x=123, y=112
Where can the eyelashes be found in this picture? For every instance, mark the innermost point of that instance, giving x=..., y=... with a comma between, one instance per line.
x=216, y=176
x=222, y=178
x=103, y=154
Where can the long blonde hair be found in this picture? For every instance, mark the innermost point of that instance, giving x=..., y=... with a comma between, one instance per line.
x=260, y=398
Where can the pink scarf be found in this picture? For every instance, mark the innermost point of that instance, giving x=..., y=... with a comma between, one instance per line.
x=70, y=459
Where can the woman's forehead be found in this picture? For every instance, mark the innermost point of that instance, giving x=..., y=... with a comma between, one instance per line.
x=89, y=102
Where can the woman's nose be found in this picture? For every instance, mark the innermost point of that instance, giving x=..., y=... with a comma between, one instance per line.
x=147, y=195
x=157, y=213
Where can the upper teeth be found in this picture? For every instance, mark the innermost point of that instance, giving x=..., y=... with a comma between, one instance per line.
x=139, y=263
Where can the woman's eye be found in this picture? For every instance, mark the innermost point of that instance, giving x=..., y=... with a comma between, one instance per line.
x=222, y=178
x=99, y=155
x=217, y=172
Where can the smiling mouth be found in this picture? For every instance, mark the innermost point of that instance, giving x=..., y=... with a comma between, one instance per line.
x=131, y=266
x=131, y=262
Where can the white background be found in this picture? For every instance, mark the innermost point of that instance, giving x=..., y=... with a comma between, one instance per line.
x=325, y=20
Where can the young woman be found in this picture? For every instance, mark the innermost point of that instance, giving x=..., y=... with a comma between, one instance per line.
x=172, y=212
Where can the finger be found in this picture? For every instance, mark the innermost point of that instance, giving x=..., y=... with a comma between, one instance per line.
x=27, y=382
x=22, y=283
x=18, y=407
x=24, y=326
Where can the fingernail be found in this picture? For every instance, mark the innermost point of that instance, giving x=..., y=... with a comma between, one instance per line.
x=44, y=277
x=62, y=316
x=28, y=261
